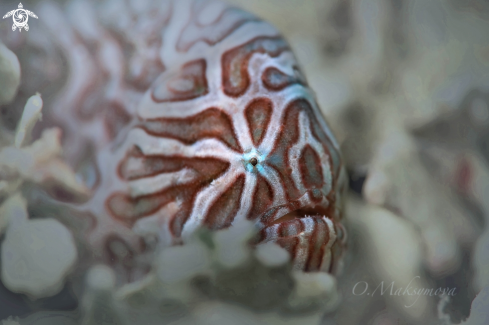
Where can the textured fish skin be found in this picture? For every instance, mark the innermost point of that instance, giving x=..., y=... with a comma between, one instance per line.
x=195, y=114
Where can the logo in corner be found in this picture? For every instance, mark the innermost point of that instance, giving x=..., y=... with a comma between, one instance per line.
x=20, y=17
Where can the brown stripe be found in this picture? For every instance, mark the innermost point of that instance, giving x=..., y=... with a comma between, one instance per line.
x=211, y=123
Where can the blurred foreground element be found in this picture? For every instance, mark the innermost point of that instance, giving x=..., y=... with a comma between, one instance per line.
x=9, y=74
x=216, y=278
x=36, y=254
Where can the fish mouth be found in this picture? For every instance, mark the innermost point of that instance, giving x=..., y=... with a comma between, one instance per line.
x=313, y=203
x=317, y=211
x=312, y=235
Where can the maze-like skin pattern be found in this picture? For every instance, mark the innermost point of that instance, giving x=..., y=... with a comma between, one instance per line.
x=197, y=115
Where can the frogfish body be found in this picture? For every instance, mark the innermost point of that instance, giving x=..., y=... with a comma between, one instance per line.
x=196, y=114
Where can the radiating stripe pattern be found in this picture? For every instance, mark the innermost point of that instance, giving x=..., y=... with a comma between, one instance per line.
x=222, y=127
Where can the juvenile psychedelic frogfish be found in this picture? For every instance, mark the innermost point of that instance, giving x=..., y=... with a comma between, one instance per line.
x=196, y=114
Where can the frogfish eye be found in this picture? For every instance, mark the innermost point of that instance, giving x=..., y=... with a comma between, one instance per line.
x=254, y=161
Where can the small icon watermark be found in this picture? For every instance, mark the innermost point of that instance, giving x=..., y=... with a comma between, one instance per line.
x=20, y=17
x=361, y=288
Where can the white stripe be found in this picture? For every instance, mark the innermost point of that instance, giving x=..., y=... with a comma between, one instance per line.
x=308, y=224
x=246, y=197
x=326, y=262
x=154, y=184
x=205, y=198
x=206, y=148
